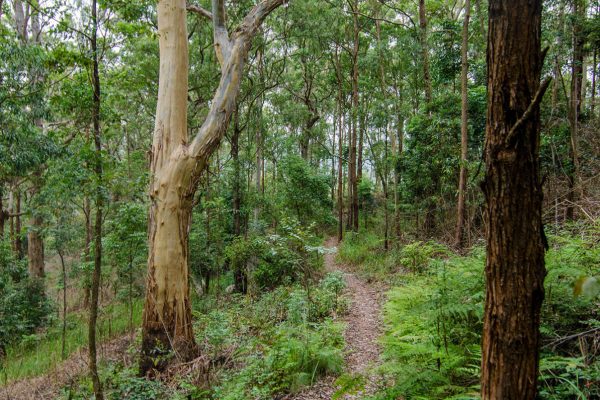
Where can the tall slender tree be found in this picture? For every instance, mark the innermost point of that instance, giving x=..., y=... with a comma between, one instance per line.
x=513, y=192
x=99, y=197
x=459, y=235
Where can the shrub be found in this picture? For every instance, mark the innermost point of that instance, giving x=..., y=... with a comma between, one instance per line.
x=23, y=303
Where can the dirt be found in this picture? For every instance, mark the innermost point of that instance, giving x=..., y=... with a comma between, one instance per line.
x=65, y=374
x=363, y=327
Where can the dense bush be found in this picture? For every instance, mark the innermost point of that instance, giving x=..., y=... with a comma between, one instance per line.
x=306, y=192
x=291, y=255
x=23, y=303
x=434, y=324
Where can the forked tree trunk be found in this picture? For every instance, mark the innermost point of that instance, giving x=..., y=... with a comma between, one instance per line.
x=176, y=166
x=459, y=235
x=513, y=192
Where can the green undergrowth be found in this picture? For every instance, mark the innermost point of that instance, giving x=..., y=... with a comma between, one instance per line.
x=39, y=353
x=253, y=347
x=434, y=317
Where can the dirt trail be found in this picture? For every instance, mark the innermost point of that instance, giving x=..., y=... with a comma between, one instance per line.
x=363, y=328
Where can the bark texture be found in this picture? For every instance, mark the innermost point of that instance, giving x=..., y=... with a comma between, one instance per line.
x=176, y=166
x=575, y=106
x=459, y=235
x=512, y=188
x=95, y=289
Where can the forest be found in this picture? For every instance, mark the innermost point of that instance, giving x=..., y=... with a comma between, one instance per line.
x=299, y=199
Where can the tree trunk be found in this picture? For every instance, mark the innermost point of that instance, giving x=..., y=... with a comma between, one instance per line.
x=513, y=192
x=425, y=51
x=3, y=214
x=353, y=166
x=64, y=301
x=239, y=275
x=340, y=177
x=594, y=71
x=35, y=248
x=18, y=243
x=97, y=384
x=459, y=236
x=86, y=249
x=575, y=106
x=175, y=170
x=35, y=239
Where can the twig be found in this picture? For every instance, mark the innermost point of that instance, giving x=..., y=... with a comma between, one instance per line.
x=527, y=114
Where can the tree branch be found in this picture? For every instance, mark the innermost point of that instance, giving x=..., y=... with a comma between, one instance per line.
x=199, y=11
x=232, y=66
x=527, y=114
x=221, y=36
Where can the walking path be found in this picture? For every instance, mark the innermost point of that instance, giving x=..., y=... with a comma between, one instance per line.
x=363, y=328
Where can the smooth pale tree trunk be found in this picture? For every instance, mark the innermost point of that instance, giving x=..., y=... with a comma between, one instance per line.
x=513, y=192
x=459, y=235
x=425, y=51
x=176, y=166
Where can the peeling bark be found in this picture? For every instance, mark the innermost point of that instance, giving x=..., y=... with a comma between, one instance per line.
x=176, y=166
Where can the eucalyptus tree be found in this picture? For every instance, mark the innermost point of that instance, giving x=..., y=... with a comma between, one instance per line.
x=176, y=166
x=464, y=129
x=513, y=191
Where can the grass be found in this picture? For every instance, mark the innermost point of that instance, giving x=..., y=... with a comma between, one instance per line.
x=41, y=352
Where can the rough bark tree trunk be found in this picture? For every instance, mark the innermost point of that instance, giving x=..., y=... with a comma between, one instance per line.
x=513, y=192
x=353, y=166
x=594, y=72
x=340, y=177
x=575, y=105
x=18, y=243
x=35, y=238
x=239, y=275
x=96, y=383
x=459, y=235
x=176, y=166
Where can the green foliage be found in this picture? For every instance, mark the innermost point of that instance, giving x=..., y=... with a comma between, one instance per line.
x=23, y=303
x=126, y=246
x=272, y=260
x=296, y=357
x=417, y=256
x=432, y=343
x=42, y=350
x=306, y=193
x=283, y=340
